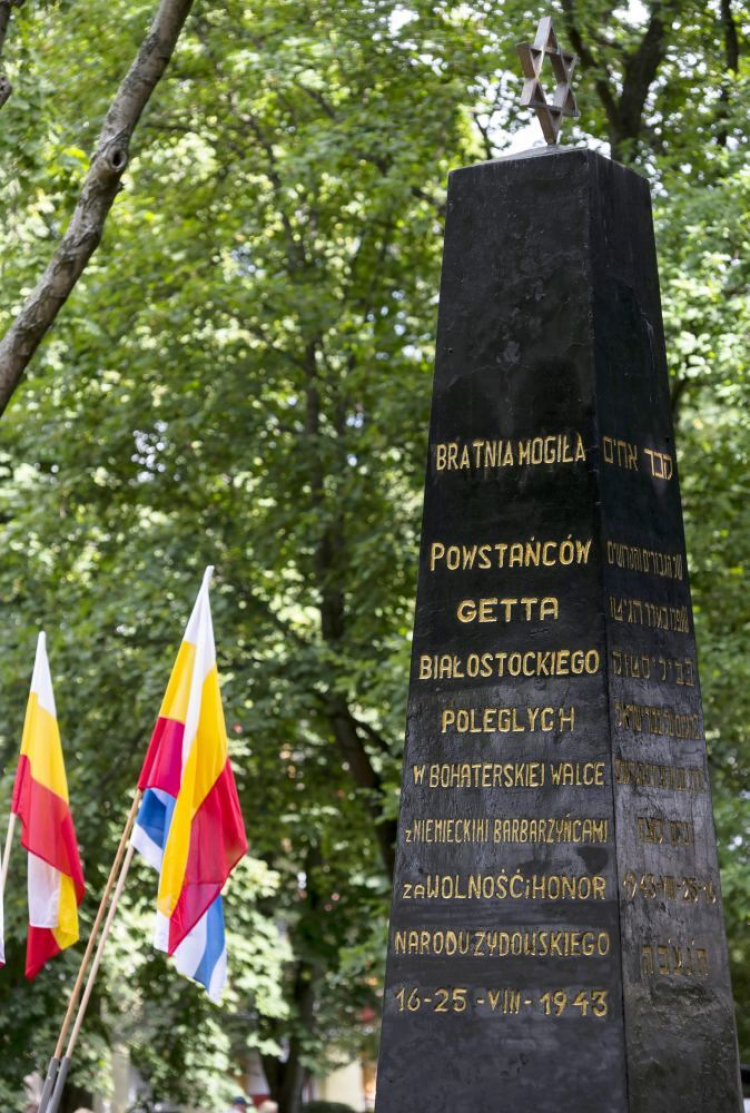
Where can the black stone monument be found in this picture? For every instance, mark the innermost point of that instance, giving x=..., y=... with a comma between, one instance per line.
x=557, y=942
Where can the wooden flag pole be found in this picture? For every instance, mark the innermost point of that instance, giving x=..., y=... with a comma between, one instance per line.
x=6, y=853
x=62, y=1074
x=54, y=1063
x=4, y=862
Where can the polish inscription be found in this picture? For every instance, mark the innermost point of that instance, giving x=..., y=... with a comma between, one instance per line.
x=499, y=943
x=493, y=609
x=501, y=886
x=506, y=720
x=520, y=559
x=519, y=564
x=511, y=774
x=486, y=556
x=555, y=801
x=486, y=722
x=503, y=829
x=525, y=452
x=513, y=663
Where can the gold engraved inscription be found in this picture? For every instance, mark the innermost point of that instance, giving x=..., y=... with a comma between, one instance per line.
x=502, y=1001
x=485, y=556
x=506, y=720
x=509, y=774
x=652, y=886
x=526, y=609
x=493, y=943
x=533, y=662
x=671, y=778
x=674, y=960
x=644, y=666
x=568, y=829
x=637, y=558
x=478, y=455
x=626, y=455
x=623, y=454
x=504, y=886
x=640, y=612
x=670, y=832
x=643, y=719
x=659, y=463
x=520, y=829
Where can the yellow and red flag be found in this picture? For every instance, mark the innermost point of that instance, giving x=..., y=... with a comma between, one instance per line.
x=40, y=800
x=190, y=824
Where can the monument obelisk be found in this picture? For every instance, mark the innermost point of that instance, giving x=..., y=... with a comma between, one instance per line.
x=557, y=942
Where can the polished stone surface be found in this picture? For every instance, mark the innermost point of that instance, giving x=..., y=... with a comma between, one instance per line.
x=556, y=941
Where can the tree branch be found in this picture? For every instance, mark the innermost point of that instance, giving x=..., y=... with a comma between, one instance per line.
x=344, y=727
x=100, y=188
x=319, y=99
x=731, y=38
x=5, y=6
x=589, y=62
x=489, y=149
x=641, y=68
x=679, y=386
x=732, y=58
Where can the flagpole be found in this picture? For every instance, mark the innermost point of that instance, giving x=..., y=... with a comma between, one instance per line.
x=4, y=862
x=61, y=1066
x=54, y=1102
x=6, y=852
x=54, y=1063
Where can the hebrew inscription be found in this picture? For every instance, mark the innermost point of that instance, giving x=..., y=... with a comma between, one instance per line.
x=556, y=893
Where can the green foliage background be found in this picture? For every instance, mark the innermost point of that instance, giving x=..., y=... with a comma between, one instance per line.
x=242, y=377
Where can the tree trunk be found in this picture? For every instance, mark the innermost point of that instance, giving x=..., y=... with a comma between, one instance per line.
x=101, y=186
x=286, y=1079
x=329, y=572
x=625, y=112
x=5, y=86
x=732, y=56
x=289, y=1095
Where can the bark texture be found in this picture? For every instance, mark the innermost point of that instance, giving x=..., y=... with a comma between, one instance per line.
x=351, y=737
x=625, y=113
x=732, y=58
x=5, y=9
x=99, y=190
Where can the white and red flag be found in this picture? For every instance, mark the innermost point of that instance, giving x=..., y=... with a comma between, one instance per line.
x=40, y=800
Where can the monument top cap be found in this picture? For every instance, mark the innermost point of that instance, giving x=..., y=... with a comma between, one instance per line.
x=563, y=101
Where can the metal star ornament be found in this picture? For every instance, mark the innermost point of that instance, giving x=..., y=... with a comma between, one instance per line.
x=563, y=102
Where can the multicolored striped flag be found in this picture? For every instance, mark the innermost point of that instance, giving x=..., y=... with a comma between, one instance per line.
x=190, y=826
x=2, y=925
x=40, y=800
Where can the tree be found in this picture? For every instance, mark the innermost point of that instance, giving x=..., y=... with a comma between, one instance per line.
x=100, y=187
x=5, y=86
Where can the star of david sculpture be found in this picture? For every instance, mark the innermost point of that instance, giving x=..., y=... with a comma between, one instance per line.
x=563, y=102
